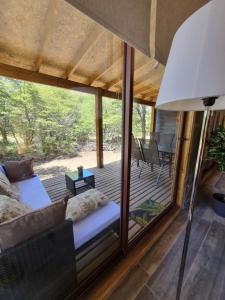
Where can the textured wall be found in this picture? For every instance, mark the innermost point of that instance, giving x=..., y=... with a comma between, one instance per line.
x=165, y=121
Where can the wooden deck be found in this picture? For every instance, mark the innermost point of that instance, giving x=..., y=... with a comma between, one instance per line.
x=108, y=180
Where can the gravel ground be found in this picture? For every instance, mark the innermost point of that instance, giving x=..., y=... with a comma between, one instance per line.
x=59, y=166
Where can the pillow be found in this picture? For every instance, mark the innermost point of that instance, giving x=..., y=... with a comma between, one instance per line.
x=11, y=208
x=83, y=204
x=6, y=188
x=19, y=170
x=2, y=169
x=24, y=227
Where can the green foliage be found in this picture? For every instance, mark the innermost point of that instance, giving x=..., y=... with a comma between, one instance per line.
x=26, y=106
x=4, y=109
x=141, y=120
x=45, y=120
x=216, y=150
x=112, y=120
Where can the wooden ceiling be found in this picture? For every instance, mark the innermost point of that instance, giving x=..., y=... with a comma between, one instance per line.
x=51, y=38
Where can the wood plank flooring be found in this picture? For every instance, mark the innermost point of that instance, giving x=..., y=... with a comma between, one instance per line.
x=155, y=276
x=208, y=271
x=108, y=180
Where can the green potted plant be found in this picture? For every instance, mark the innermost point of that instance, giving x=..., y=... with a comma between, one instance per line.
x=216, y=153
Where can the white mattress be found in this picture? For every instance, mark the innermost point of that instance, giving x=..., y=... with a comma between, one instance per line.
x=33, y=193
x=96, y=222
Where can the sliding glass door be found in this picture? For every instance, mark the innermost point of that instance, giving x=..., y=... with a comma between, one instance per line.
x=151, y=149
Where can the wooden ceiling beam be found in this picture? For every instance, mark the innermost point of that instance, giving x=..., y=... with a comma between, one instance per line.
x=143, y=89
x=148, y=90
x=95, y=34
x=151, y=95
x=111, y=66
x=151, y=99
x=151, y=63
x=114, y=83
x=145, y=84
x=154, y=76
x=118, y=96
x=47, y=26
x=117, y=81
x=33, y=76
x=36, y=77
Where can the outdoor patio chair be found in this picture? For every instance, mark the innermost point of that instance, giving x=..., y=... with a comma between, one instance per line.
x=165, y=139
x=151, y=157
x=136, y=153
x=154, y=136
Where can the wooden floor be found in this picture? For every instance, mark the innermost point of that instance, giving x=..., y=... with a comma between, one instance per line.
x=108, y=181
x=155, y=276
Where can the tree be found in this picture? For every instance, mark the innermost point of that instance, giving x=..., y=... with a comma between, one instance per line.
x=67, y=120
x=141, y=110
x=49, y=120
x=112, y=120
x=141, y=120
x=4, y=109
x=26, y=107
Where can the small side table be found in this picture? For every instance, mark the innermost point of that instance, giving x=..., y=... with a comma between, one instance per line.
x=77, y=184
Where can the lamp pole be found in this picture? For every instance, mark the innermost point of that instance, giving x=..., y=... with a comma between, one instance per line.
x=207, y=103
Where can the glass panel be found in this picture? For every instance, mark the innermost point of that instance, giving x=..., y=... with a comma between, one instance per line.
x=66, y=132
x=112, y=118
x=154, y=150
x=62, y=139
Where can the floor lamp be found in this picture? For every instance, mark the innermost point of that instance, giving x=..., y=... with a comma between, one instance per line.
x=194, y=80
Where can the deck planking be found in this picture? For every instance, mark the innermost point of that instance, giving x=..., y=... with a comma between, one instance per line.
x=108, y=181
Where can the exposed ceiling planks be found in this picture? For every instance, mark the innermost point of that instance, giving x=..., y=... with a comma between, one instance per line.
x=86, y=47
x=58, y=41
x=47, y=27
x=112, y=65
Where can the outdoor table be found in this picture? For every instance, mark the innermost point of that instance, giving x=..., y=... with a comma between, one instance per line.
x=77, y=184
x=161, y=148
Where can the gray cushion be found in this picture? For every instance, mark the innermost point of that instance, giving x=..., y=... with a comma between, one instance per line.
x=33, y=193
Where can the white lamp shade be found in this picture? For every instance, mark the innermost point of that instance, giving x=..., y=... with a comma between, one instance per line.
x=196, y=63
